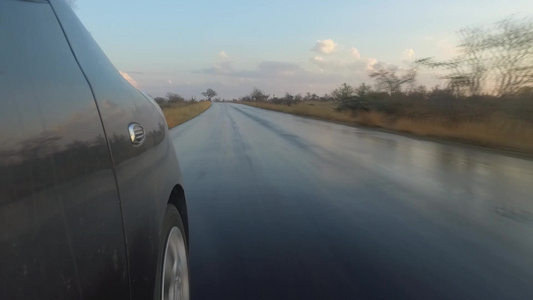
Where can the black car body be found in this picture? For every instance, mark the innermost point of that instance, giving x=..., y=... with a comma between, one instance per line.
x=81, y=206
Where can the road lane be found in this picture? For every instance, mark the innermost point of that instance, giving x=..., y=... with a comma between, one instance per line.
x=283, y=207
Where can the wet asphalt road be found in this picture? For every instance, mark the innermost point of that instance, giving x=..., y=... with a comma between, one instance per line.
x=283, y=207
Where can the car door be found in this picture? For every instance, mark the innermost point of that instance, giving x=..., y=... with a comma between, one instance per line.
x=147, y=172
x=61, y=229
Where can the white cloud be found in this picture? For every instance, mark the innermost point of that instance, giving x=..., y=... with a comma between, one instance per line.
x=129, y=79
x=355, y=53
x=223, y=54
x=341, y=66
x=409, y=53
x=319, y=60
x=330, y=64
x=169, y=81
x=325, y=46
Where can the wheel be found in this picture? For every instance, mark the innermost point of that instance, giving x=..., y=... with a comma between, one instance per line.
x=173, y=270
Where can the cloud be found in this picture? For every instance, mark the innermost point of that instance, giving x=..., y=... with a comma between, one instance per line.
x=319, y=61
x=278, y=68
x=169, y=81
x=320, y=74
x=129, y=79
x=409, y=53
x=360, y=65
x=223, y=68
x=265, y=69
x=222, y=54
x=325, y=46
x=331, y=64
x=355, y=53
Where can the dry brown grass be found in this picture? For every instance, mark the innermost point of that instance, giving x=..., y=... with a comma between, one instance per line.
x=322, y=110
x=181, y=113
x=498, y=130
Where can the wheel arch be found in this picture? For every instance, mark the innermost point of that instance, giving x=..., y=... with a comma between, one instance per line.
x=177, y=198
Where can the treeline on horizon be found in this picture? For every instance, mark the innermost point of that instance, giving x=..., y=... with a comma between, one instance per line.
x=491, y=74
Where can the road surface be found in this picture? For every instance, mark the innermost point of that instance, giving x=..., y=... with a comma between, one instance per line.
x=284, y=207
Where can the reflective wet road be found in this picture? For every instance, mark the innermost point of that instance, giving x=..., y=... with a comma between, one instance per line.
x=283, y=207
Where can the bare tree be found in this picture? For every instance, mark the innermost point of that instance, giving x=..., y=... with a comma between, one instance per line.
x=497, y=60
x=388, y=80
x=512, y=48
x=468, y=71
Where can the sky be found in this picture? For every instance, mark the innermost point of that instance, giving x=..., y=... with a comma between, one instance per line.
x=277, y=46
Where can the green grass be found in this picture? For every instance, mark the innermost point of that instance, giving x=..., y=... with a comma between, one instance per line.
x=498, y=130
x=180, y=113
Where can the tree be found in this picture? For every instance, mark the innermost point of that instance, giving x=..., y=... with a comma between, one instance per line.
x=258, y=95
x=344, y=91
x=512, y=41
x=209, y=94
x=497, y=60
x=174, y=98
x=387, y=79
x=359, y=100
x=311, y=97
x=288, y=99
x=245, y=98
x=326, y=97
x=160, y=100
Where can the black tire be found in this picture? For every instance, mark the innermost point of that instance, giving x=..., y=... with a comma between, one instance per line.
x=172, y=219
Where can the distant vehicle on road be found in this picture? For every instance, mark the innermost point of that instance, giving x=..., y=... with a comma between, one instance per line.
x=91, y=200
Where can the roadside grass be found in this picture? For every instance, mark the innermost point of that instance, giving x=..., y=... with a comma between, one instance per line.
x=496, y=130
x=179, y=113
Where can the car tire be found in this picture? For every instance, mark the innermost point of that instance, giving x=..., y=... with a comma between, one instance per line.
x=172, y=279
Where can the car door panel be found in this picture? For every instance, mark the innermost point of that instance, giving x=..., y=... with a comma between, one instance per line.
x=146, y=174
x=61, y=232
